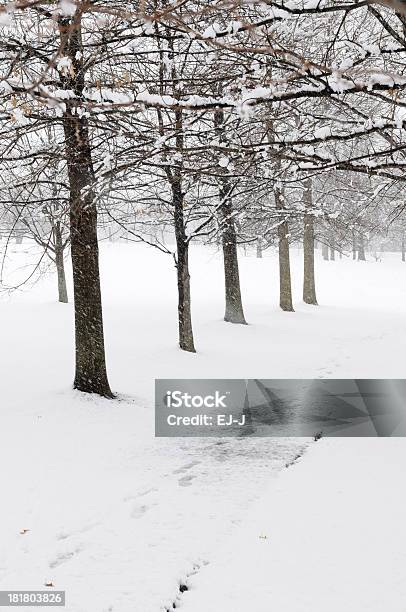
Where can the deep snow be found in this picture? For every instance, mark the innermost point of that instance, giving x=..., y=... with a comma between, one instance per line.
x=118, y=518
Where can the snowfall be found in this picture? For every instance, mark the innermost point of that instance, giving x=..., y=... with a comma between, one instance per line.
x=95, y=505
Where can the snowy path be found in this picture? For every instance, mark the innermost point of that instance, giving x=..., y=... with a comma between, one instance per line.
x=329, y=534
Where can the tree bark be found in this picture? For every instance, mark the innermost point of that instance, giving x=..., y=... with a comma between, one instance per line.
x=324, y=251
x=60, y=265
x=361, y=248
x=403, y=247
x=174, y=175
x=332, y=254
x=186, y=341
x=354, y=247
x=90, y=370
x=259, y=247
x=309, y=283
x=234, y=312
x=285, y=288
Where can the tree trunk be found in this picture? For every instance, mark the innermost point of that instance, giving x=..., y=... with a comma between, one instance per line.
x=234, y=312
x=90, y=371
x=60, y=265
x=354, y=246
x=259, y=247
x=332, y=254
x=309, y=284
x=186, y=342
x=233, y=308
x=285, y=289
x=361, y=248
x=324, y=251
x=403, y=247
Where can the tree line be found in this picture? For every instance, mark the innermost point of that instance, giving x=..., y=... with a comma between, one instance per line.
x=232, y=122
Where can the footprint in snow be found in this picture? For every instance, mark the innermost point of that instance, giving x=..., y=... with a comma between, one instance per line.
x=64, y=535
x=186, y=467
x=64, y=557
x=186, y=481
x=128, y=498
x=139, y=511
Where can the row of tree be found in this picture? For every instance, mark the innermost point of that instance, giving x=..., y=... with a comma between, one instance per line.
x=230, y=122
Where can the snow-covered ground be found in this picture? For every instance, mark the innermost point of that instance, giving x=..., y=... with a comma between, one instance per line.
x=327, y=535
x=118, y=518
x=115, y=517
